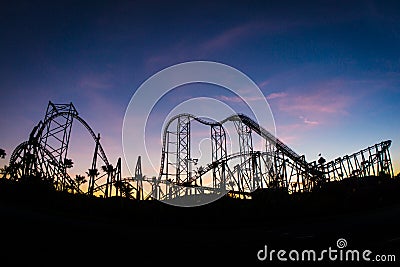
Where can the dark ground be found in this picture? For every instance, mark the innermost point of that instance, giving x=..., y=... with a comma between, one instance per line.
x=41, y=226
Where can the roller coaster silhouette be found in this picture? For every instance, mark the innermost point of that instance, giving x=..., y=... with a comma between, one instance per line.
x=239, y=174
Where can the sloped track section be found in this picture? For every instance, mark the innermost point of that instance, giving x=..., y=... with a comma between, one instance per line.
x=277, y=166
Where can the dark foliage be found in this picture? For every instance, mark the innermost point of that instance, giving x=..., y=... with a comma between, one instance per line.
x=43, y=223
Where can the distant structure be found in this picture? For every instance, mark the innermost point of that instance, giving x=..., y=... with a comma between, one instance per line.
x=274, y=167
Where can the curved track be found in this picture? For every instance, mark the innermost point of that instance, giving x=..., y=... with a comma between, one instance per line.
x=274, y=166
x=278, y=167
x=82, y=121
x=37, y=157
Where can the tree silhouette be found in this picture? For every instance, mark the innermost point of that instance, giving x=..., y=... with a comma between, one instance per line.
x=3, y=171
x=124, y=187
x=10, y=170
x=80, y=179
x=93, y=172
x=107, y=168
x=2, y=153
x=68, y=163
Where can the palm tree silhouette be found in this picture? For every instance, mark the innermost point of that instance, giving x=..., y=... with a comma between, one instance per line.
x=2, y=153
x=124, y=187
x=93, y=172
x=68, y=163
x=107, y=168
x=80, y=179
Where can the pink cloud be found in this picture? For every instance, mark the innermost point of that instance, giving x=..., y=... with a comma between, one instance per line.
x=289, y=133
x=292, y=134
x=308, y=122
x=237, y=99
x=252, y=28
x=230, y=36
x=304, y=109
x=276, y=95
x=263, y=83
x=181, y=50
x=323, y=98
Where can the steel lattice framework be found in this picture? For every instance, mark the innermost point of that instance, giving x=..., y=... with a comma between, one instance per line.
x=44, y=155
x=275, y=166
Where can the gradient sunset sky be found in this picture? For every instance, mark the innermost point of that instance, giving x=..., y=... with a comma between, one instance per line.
x=330, y=70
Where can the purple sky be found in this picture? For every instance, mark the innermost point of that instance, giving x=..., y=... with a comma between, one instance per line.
x=330, y=70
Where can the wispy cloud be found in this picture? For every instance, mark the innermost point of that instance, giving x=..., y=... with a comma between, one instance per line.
x=228, y=37
x=308, y=122
x=289, y=133
x=238, y=99
x=276, y=95
x=250, y=29
x=320, y=99
x=314, y=104
x=264, y=83
x=231, y=36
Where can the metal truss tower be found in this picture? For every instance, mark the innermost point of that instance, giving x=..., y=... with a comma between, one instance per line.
x=218, y=154
x=244, y=169
x=139, y=179
x=55, y=139
x=183, y=149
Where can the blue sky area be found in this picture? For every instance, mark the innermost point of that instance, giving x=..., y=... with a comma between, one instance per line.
x=330, y=70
